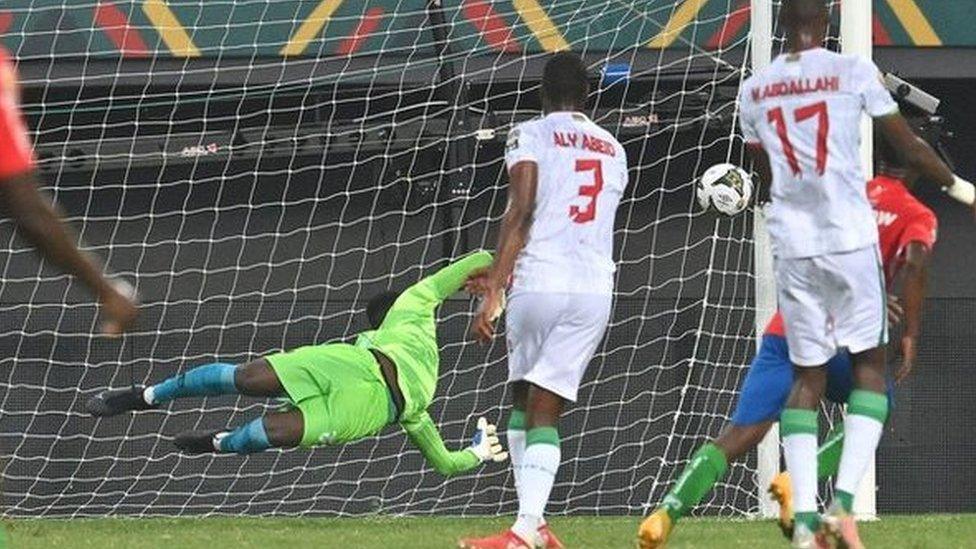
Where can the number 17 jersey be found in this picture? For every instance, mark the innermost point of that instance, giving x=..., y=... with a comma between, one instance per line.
x=582, y=176
x=805, y=110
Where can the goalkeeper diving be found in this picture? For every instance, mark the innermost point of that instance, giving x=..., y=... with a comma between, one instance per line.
x=338, y=392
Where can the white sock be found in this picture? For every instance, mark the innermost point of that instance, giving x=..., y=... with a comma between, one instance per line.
x=800, y=451
x=538, y=472
x=147, y=395
x=861, y=437
x=516, y=450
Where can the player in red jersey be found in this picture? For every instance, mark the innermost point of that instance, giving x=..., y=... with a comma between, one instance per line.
x=37, y=220
x=907, y=231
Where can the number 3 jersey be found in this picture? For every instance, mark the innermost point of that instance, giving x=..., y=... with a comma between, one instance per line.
x=582, y=175
x=805, y=111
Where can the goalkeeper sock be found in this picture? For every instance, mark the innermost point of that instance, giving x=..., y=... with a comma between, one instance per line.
x=828, y=456
x=798, y=428
x=706, y=467
x=864, y=423
x=538, y=472
x=206, y=380
x=246, y=439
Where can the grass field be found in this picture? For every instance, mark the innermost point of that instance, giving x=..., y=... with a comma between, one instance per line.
x=927, y=531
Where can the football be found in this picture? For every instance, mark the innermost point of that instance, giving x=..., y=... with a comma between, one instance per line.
x=726, y=187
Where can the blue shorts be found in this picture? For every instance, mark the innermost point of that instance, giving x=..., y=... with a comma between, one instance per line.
x=770, y=380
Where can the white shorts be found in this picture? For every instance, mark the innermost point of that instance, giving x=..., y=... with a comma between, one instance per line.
x=552, y=337
x=832, y=302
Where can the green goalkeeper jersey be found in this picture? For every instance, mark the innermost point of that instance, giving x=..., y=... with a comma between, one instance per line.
x=408, y=335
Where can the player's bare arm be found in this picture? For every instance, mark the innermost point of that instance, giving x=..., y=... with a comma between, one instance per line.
x=919, y=155
x=40, y=222
x=914, y=274
x=514, y=233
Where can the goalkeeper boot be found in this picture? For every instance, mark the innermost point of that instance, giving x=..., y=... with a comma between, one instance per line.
x=506, y=540
x=782, y=493
x=840, y=526
x=117, y=401
x=803, y=538
x=655, y=530
x=197, y=442
x=549, y=540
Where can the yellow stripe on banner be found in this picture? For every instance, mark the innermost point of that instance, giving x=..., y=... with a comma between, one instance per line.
x=681, y=18
x=177, y=40
x=915, y=23
x=541, y=26
x=311, y=27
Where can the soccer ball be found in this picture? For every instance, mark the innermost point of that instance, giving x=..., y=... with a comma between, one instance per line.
x=727, y=187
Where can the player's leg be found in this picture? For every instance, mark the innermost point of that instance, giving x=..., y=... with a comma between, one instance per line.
x=275, y=430
x=861, y=325
x=255, y=379
x=516, y=429
x=761, y=399
x=839, y=384
x=803, y=300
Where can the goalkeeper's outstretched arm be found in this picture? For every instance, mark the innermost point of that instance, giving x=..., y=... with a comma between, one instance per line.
x=484, y=446
x=434, y=289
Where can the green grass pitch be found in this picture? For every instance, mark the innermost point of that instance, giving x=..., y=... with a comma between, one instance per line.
x=928, y=531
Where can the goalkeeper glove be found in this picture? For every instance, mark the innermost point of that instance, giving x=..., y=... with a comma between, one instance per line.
x=485, y=444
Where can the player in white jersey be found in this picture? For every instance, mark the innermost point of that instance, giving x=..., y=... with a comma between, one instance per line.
x=801, y=116
x=556, y=244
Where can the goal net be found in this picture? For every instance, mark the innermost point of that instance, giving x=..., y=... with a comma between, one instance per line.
x=260, y=169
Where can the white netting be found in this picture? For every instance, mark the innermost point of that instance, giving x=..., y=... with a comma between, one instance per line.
x=257, y=201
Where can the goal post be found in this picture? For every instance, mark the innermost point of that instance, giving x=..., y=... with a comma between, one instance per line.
x=856, y=39
x=768, y=452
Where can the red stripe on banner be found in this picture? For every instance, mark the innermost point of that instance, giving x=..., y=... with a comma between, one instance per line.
x=734, y=23
x=492, y=27
x=115, y=25
x=881, y=36
x=367, y=26
x=6, y=18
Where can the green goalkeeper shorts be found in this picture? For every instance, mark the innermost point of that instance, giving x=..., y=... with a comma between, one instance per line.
x=339, y=390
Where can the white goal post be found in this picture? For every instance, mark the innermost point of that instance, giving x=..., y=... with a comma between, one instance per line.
x=856, y=38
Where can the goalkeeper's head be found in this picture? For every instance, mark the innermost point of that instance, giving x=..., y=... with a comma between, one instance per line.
x=564, y=83
x=378, y=306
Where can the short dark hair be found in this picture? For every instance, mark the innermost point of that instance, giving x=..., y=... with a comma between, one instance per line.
x=794, y=13
x=378, y=306
x=564, y=80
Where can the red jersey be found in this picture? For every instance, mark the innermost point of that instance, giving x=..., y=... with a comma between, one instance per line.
x=901, y=218
x=16, y=156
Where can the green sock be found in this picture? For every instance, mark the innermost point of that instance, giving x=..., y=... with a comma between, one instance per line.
x=828, y=456
x=707, y=466
x=845, y=499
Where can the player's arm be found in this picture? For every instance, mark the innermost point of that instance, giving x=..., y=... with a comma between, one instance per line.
x=514, y=234
x=38, y=221
x=914, y=151
x=914, y=279
x=439, y=286
x=760, y=164
x=425, y=436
